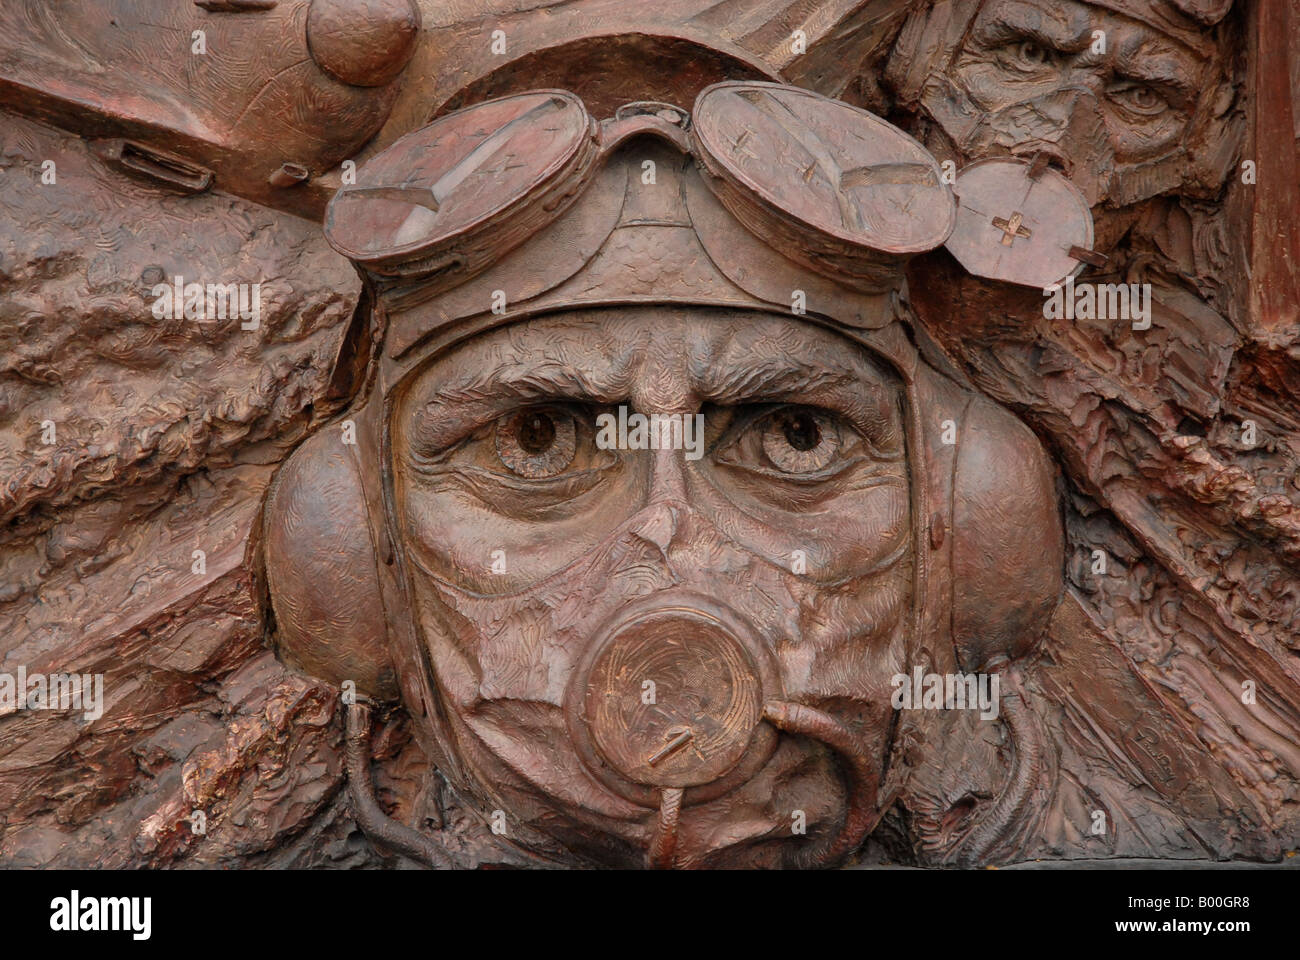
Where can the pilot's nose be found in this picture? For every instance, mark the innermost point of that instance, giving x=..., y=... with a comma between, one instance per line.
x=657, y=525
x=661, y=520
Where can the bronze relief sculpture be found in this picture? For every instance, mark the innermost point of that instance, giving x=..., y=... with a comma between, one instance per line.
x=716, y=436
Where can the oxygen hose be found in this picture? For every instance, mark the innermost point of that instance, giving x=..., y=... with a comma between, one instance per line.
x=1022, y=781
x=862, y=779
x=864, y=808
x=862, y=785
x=663, y=848
x=370, y=817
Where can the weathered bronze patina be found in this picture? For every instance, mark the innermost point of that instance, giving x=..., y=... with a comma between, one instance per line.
x=685, y=435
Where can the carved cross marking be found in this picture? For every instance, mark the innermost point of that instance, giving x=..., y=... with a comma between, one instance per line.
x=1012, y=228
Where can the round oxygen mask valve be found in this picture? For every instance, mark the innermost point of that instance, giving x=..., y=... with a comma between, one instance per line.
x=670, y=698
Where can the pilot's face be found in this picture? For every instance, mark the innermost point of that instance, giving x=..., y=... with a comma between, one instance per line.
x=1105, y=97
x=605, y=623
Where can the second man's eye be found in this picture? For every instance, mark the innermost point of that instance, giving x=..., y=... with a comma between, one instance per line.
x=1027, y=56
x=1033, y=53
x=536, y=442
x=1139, y=98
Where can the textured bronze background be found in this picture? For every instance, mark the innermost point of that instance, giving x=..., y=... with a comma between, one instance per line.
x=180, y=514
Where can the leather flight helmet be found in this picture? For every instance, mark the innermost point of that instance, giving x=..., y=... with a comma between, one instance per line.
x=526, y=206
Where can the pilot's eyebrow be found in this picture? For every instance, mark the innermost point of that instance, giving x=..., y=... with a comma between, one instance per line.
x=466, y=402
x=850, y=384
x=772, y=379
x=713, y=378
x=857, y=391
x=531, y=380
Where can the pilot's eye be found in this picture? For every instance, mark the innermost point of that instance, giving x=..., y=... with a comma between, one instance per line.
x=801, y=431
x=537, y=442
x=799, y=439
x=535, y=431
x=790, y=442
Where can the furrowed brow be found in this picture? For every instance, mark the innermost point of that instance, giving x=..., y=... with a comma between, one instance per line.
x=1164, y=67
x=531, y=381
x=1015, y=21
x=776, y=379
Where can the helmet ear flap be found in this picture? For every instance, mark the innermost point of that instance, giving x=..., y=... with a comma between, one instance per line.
x=1008, y=553
x=997, y=549
x=321, y=570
